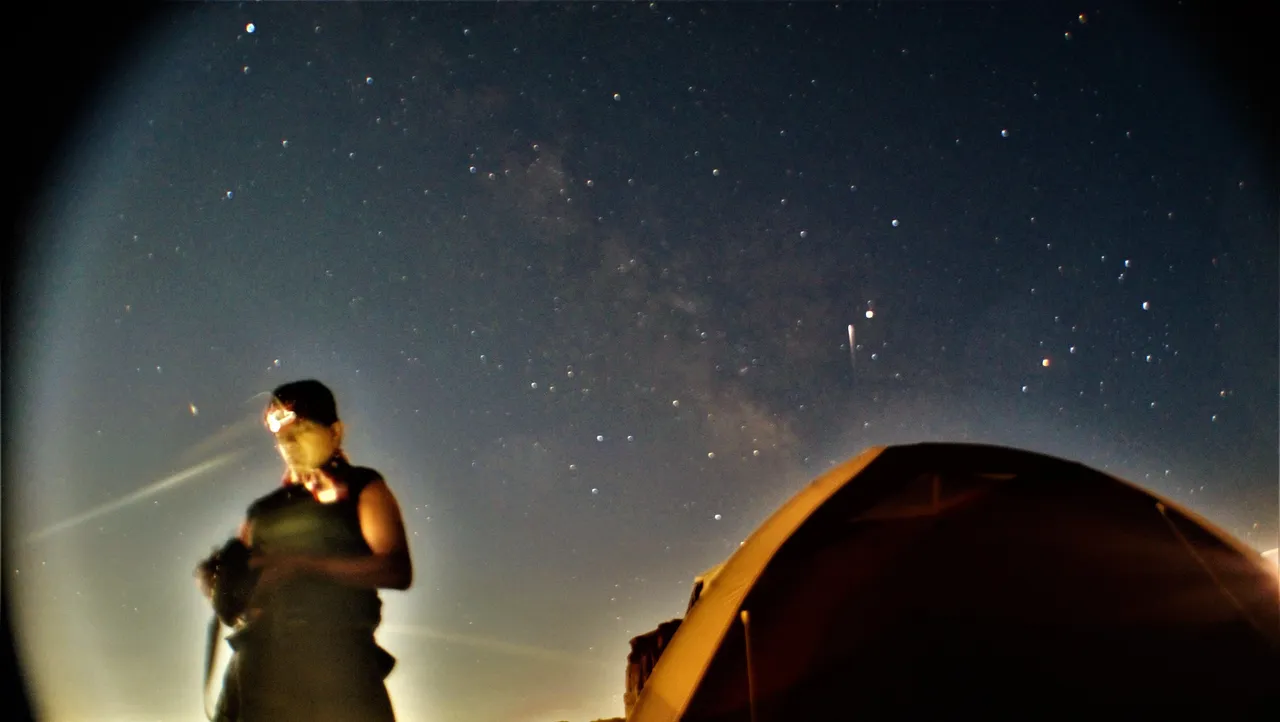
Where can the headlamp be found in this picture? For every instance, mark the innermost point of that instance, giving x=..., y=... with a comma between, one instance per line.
x=278, y=418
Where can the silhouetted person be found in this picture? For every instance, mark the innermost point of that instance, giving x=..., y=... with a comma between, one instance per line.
x=321, y=545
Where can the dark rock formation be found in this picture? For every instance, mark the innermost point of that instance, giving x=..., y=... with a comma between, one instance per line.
x=645, y=650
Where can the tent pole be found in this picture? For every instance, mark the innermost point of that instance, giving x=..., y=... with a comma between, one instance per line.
x=751, y=677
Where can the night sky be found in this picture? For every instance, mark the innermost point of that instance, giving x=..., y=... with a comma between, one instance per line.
x=582, y=279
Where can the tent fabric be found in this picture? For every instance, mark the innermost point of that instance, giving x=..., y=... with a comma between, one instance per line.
x=951, y=580
x=646, y=649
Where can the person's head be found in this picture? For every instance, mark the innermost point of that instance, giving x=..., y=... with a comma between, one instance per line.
x=303, y=416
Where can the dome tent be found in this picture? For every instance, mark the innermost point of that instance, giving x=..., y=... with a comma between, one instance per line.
x=956, y=580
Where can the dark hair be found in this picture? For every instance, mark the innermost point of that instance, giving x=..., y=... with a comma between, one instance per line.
x=309, y=399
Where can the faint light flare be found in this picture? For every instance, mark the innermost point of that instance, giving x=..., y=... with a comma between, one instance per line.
x=493, y=645
x=853, y=356
x=168, y=482
x=230, y=434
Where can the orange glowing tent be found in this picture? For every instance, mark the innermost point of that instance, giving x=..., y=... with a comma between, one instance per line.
x=944, y=580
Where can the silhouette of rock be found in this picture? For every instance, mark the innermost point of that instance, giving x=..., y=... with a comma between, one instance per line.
x=645, y=650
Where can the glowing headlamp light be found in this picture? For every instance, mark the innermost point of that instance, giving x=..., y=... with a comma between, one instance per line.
x=279, y=418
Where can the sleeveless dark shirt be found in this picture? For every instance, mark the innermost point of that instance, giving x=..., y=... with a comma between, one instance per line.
x=311, y=655
x=291, y=520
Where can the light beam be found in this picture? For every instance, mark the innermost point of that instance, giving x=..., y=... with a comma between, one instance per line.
x=493, y=645
x=145, y=492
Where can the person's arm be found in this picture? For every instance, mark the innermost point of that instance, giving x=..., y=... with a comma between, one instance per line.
x=389, y=566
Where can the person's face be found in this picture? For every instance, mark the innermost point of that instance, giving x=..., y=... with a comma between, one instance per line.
x=305, y=445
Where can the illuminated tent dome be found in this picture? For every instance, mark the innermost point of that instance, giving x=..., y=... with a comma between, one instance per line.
x=947, y=580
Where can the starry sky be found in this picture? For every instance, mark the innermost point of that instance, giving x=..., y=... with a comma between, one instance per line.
x=582, y=278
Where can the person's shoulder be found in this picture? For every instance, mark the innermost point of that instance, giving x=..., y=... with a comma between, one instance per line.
x=364, y=473
x=358, y=477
